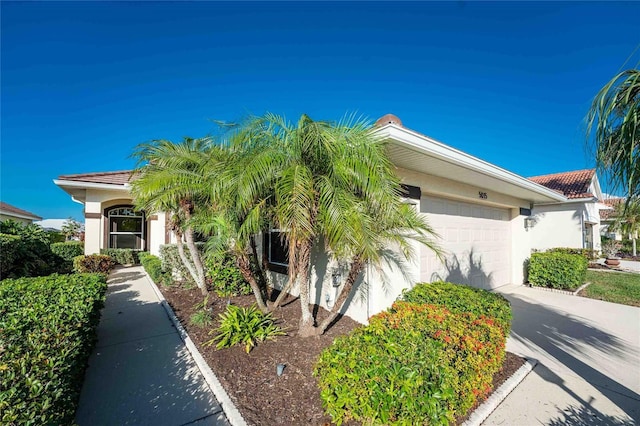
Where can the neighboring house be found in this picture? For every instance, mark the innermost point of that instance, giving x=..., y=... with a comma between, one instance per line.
x=607, y=218
x=7, y=211
x=574, y=222
x=477, y=208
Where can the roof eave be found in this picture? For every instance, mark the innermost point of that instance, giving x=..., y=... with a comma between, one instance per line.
x=431, y=147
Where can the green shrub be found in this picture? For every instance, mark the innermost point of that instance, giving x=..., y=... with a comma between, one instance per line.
x=557, y=270
x=413, y=364
x=201, y=318
x=172, y=263
x=68, y=250
x=245, y=326
x=47, y=329
x=226, y=278
x=93, y=263
x=29, y=254
x=589, y=254
x=153, y=265
x=461, y=298
x=122, y=256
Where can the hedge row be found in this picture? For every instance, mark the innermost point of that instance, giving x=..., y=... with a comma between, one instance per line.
x=589, y=254
x=416, y=363
x=97, y=263
x=122, y=256
x=153, y=265
x=68, y=250
x=47, y=330
x=557, y=270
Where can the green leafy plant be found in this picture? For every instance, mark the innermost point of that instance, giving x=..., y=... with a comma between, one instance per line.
x=226, y=278
x=413, y=364
x=47, y=330
x=26, y=251
x=68, y=250
x=557, y=270
x=93, y=263
x=122, y=256
x=202, y=316
x=588, y=253
x=460, y=298
x=245, y=326
x=153, y=265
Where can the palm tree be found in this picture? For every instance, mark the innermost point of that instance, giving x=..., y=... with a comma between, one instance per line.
x=171, y=177
x=328, y=183
x=627, y=220
x=614, y=121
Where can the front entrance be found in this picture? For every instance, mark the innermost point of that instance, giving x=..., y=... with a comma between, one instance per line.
x=588, y=236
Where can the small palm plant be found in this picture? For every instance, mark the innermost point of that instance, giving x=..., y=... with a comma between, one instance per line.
x=245, y=326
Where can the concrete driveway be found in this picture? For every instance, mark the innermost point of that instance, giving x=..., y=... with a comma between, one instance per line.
x=589, y=361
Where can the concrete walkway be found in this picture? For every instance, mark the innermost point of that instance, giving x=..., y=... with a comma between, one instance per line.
x=589, y=361
x=140, y=371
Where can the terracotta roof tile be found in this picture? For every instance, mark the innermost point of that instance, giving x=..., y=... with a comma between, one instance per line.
x=111, y=178
x=572, y=184
x=611, y=202
x=11, y=209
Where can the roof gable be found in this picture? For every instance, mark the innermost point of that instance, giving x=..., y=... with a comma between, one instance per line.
x=10, y=210
x=575, y=184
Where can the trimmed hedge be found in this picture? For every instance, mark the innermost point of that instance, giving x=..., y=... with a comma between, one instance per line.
x=99, y=263
x=461, y=298
x=122, y=256
x=413, y=364
x=68, y=250
x=588, y=253
x=47, y=330
x=557, y=270
x=153, y=265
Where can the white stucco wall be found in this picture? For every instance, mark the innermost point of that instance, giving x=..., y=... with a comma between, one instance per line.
x=156, y=237
x=561, y=225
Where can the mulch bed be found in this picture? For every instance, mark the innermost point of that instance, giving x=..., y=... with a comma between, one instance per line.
x=262, y=397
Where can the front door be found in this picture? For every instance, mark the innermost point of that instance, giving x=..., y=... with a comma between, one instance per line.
x=588, y=236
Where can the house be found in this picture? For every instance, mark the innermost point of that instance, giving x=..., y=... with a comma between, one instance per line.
x=478, y=209
x=607, y=217
x=9, y=212
x=110, y=220
x=574, y=222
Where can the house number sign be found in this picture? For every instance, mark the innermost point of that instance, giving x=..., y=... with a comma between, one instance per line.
x=482, y=195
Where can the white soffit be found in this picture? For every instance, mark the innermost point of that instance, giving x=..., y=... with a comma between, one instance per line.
x=77, y=189
x=413, y=151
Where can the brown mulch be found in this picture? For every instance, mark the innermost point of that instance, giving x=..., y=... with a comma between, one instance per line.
x=251, y=381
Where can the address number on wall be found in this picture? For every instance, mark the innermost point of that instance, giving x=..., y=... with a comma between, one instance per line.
x=482, y=195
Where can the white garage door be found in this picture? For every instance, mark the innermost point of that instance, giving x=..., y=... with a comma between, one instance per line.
x=476, y=240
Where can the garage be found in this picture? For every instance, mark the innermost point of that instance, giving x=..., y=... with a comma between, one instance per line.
x=476, y=239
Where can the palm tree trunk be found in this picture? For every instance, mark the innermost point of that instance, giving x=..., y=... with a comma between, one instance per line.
x=262, y=281
x=245, y=269
x=357, y=266
x=306, y=327
x=183, y=256
x=197, y=262
x=634, y=247
x=293, y=276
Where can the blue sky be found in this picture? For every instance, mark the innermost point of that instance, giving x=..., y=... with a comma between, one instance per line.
x=82, y=83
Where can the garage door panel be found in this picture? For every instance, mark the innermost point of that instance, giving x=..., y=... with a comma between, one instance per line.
x=476, y=240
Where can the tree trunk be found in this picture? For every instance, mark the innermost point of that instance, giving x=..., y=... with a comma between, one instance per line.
x=183, y=256
x=357, y=266
x=292, y=279
x=245, y=269
x=634, y=247
x=197, y=262
x=262, y=281
x=306, y=327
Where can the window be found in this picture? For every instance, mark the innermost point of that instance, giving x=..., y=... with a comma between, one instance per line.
x=276, y=251
x=126, y=228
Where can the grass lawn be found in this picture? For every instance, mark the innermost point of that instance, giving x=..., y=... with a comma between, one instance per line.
x=613, y=287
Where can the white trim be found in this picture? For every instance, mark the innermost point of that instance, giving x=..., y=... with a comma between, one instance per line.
x=571, y=201
x=90, y=185
x=424, y=144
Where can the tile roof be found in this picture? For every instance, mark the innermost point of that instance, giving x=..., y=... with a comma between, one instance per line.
x=572, y=184
x=8, y=208
x=613, y=203
x=111, y=178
